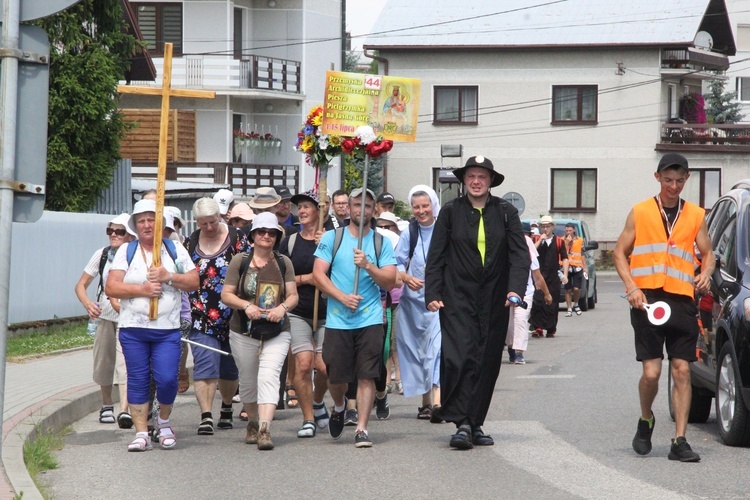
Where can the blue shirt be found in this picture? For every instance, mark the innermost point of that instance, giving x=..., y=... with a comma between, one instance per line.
x=370, y=310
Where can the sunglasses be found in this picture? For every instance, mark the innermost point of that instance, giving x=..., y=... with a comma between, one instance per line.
x=386, y=226
x=118, y=232
x=265, y=232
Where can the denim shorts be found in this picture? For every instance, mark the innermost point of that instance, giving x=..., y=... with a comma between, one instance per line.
x=209, y=364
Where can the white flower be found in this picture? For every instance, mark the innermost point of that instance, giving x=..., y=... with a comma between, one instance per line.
x=366, y=134
x=323, y=141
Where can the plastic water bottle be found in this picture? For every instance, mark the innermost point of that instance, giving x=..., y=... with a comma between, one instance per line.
x=560, y=274
x=92, y=325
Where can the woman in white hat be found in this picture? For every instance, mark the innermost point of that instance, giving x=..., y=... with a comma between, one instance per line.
x=261, y=289
x=151, y=347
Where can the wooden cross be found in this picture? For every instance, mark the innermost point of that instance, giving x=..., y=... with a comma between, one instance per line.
x=165, y=92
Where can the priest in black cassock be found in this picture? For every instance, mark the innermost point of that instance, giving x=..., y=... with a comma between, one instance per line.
x=478, y=265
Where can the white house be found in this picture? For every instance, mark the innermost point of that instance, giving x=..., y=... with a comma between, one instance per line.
x=265, y=59
x=574, y=102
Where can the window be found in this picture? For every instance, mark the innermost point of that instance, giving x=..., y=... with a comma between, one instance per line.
x=160, y=23
x=456, y=105
x=704, y=187
x=743, y=37
x=574, y=189
x=573, y=104
x=673, y=104
x=743, y=88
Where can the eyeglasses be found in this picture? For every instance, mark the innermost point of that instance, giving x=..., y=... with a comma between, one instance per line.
x=118, y=232
x=265, y=232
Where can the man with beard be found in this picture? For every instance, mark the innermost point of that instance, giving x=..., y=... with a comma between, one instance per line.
x=477, y=266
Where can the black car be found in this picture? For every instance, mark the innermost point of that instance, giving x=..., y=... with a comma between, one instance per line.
x=722, y=371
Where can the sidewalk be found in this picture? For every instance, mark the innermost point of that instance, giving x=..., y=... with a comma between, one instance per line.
x=51, y=392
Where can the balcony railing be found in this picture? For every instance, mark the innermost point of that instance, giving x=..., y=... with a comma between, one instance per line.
x=250, y=72
x=243, y=178
x=705, y=137
x=690, y=59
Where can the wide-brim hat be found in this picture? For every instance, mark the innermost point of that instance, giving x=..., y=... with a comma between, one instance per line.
x=267, y=220
x=485, y=163
x=142, y=206
x=176, y=214
x=547, y=220
x=242, y=211
x=307, y=196
x=265, y=197
x=123, y=220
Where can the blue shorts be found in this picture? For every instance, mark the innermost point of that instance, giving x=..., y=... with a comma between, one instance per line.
x=150, y=352
x=210, y=364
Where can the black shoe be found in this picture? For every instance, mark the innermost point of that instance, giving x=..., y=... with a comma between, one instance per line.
x=336, y=423
x=461, y=440
x=642, y=439
x=351, y=417
x=682, y=451
x=479, y=438
x=382, y=410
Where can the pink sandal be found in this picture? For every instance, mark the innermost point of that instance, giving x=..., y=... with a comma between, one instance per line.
x=140, y=443
x=167, y=438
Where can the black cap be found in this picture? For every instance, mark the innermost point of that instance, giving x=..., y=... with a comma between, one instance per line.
x=284, y=192
x=672, y=160
x=485, y=163
x=386, y=197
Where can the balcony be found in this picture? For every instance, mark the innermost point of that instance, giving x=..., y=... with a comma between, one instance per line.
x=693, y=61
x=224, y=72
x=707, y=137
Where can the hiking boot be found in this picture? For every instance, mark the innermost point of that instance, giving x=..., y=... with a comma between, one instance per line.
x=382, y=410
x=336, y=423
x=642, y=439
x=264, y=437
x=252, y=432
x=352, y=417
x=362, y=440
x=682, y=451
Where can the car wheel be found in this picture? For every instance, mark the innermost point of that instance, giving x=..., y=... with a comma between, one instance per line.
x=731, y=413
x=593, y=300
x=700, y=403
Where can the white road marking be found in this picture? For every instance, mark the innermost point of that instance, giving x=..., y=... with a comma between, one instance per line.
x=530, y=446
x=546, y=376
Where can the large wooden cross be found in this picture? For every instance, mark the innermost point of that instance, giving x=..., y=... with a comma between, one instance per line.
x=166, y=91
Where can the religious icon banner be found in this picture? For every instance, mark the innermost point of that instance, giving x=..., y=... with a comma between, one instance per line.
x=389, y=104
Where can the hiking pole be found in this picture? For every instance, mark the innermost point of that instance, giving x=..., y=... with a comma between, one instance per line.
x=206, y=347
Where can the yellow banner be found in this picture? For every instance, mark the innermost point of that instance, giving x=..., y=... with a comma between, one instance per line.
x=389, y=104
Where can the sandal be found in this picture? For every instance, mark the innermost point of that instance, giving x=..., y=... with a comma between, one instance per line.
x=323, y=419
x=291, y=397
x=107, y=414
x=124, y=420
x=167, y=439
x=243, y=415
x=140, y=443
x=206, y=427
x=425, y=412
x=435, y=418
x=183, y=382
x=307, y=430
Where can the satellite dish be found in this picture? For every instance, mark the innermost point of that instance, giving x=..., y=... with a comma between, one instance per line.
x=516, y=200
x=703, y=40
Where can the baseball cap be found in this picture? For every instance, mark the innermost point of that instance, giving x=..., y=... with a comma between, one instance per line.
x=386, y=197
x=672, y=160
x=224, y=198
x=358, y=192
x=284, y=192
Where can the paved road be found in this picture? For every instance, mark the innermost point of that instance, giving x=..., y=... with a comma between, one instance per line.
x=562, y=424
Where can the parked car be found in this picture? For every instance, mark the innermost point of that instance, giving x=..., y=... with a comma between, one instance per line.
x=722, y=372
x=589, y=297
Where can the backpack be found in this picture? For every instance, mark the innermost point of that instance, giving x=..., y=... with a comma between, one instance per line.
x=339, y=236
x=102, y=262
x=168, y=244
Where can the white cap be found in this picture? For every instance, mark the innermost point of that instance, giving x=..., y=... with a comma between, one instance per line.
x=224, y=198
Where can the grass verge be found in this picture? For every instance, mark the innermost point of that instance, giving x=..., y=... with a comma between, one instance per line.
x=46, y=340
x=38, y=454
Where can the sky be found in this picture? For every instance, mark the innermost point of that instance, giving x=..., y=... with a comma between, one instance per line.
x=360, y=17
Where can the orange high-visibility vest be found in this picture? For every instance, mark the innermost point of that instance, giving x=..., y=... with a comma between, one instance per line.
x=655, y=263
x=575, y=253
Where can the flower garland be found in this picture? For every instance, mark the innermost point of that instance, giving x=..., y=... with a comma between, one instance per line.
x=365, y=141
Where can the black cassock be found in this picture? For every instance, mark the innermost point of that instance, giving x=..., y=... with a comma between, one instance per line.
x=474, y=319
x=542, y=315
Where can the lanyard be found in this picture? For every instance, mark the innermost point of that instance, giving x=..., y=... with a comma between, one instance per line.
x=669, y=227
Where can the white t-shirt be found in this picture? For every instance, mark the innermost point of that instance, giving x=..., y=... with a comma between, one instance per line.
x=534, y=265
x=134, y=311
x=92, y=269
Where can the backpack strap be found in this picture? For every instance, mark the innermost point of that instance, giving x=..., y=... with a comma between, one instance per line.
x=168, y=245
x=378, y=243
x=102, y=262
x=413, y=237
x=290, y=244
x=338, y=238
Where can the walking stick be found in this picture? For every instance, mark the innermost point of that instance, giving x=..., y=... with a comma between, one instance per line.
x=225, y=353
x=322, y=194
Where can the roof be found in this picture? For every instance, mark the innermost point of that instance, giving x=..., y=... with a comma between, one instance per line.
x=544, y=23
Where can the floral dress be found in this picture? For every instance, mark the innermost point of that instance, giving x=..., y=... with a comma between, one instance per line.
x=209, y=314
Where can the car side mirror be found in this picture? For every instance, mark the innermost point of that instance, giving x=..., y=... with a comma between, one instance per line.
x=729, y=285
x=591, y=245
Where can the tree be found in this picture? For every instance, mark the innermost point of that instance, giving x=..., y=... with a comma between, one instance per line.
x=722, y=106
x=353, y=168
x=89, y=53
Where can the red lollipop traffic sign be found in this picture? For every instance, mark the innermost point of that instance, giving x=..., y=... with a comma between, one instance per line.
x=658, y=312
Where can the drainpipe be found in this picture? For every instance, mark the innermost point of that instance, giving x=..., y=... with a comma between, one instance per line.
x=380, y=60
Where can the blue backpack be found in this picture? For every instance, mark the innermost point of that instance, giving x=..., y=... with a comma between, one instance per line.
x=168, y=244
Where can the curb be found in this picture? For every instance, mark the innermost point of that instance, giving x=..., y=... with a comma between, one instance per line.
x=53, y=413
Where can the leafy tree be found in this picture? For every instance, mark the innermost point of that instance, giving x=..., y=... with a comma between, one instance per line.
x=722, y=106
x=353, y=168
x=90, y=51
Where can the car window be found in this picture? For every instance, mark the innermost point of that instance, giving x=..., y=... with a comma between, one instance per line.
x=718, y=219
x=725, y=247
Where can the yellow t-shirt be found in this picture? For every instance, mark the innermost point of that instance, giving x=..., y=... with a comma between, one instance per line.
x=481, y=238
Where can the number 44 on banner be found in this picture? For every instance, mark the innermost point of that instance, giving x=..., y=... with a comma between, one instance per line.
x=373, y=83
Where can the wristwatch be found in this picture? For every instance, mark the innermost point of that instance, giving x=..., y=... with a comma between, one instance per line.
x=170, y=280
